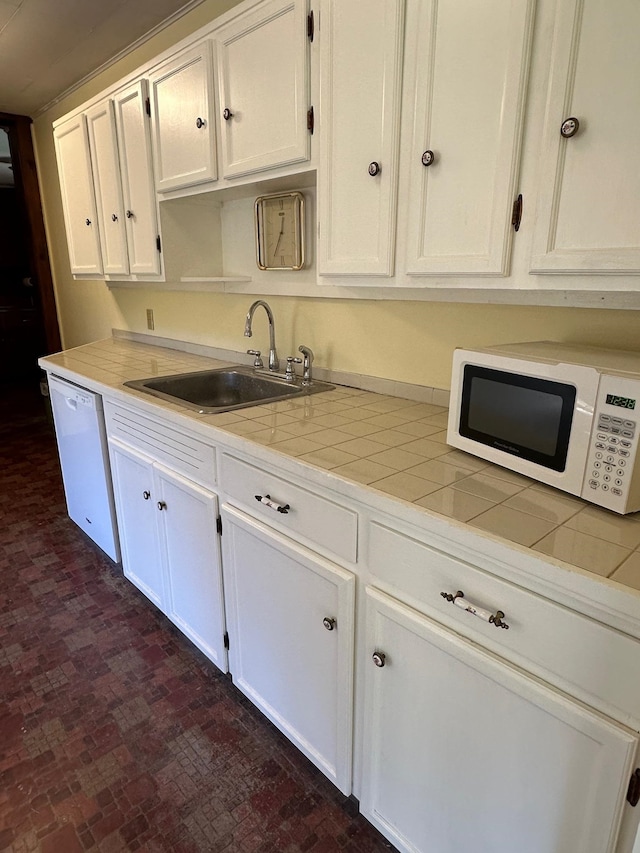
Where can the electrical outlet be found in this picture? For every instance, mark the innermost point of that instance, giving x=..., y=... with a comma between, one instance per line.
x=150, y=322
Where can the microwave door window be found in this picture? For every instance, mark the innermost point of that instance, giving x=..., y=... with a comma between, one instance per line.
x=520, y=415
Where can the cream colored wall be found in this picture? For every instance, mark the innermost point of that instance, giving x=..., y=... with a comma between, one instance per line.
x=408, y=341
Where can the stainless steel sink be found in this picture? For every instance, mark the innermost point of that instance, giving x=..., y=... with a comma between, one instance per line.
x=224, y=389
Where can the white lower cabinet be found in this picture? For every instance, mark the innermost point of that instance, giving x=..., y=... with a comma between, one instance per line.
x=170, y=546
x=469, y=737
x=465, y=752
x=132, y=481
x=291, y=629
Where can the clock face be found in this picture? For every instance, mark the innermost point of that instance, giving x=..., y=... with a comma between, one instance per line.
x=280, y=231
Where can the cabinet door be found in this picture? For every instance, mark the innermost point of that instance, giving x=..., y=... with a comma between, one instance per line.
x=136, y=169
x=464, y=752
x=103, y=145
x=589, y=203
x=78, y=200
x=361, y=68
x=466, y=100
x=263, y=84
x=192, y=562
x=137, y=512
x=295, y=667
x=184, y=136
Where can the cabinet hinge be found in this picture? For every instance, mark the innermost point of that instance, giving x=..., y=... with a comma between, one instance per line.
x=633, y=792
x=311, y=26
x=226, y=639
x=310, y=120
x=219, y=525
x=158, y=243
x=516, y=215
x=147, y=106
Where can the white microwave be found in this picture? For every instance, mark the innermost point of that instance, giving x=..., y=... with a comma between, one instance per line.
x=561, y=414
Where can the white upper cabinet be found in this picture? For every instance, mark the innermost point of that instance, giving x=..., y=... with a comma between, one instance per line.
x=183, y=116
x=78, y=200
x=588, y=209
x=106, y=179
x=361, y=72
x=467, y=69
x=136, y=171
x=264, y=88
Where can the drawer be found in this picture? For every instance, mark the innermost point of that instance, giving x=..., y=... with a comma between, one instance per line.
x=180, y=452
x=310, y=516
x=583, y=657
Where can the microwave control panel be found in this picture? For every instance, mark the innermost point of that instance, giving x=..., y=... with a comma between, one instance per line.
x=610, y=461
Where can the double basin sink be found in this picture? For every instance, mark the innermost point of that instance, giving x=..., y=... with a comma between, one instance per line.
x=224, y=389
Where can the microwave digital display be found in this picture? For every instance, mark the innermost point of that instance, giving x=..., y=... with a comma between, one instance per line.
x=623, y=402
x=525, y=416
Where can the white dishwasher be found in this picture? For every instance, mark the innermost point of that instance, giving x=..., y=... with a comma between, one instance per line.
x=84, y=459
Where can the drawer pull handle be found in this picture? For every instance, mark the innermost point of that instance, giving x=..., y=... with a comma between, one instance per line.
x=460, y=601
x=146, y=494
x=161, y=505
x=379, y=658
x=266, y=500
x=329, y=623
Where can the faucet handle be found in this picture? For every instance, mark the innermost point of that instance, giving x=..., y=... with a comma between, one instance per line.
x=257, y=361
x=290, y=372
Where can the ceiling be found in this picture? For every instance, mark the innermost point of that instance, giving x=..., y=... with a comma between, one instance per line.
x=47, y=46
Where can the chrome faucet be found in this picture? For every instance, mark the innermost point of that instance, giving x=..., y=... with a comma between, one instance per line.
x=274, y=362
x=307, y=355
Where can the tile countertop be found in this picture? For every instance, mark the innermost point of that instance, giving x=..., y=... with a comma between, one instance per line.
x=397, y=447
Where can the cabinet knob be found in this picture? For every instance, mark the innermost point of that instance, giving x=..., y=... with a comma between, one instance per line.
x=290, y=372
x=200, y=122
x=161, y=505
x=257, y=358
x=379, y=658
x=114, y=217
x=427, y=157
x=329, y=623
x=87, y=222
x=374, y=168
x=569, y=127
x=227, y=114
x=146, y=495
x=129, y=214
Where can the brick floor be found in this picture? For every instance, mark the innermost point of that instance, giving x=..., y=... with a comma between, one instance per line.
x=116, y=734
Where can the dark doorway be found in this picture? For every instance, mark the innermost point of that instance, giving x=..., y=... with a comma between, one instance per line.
x=28, y=319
